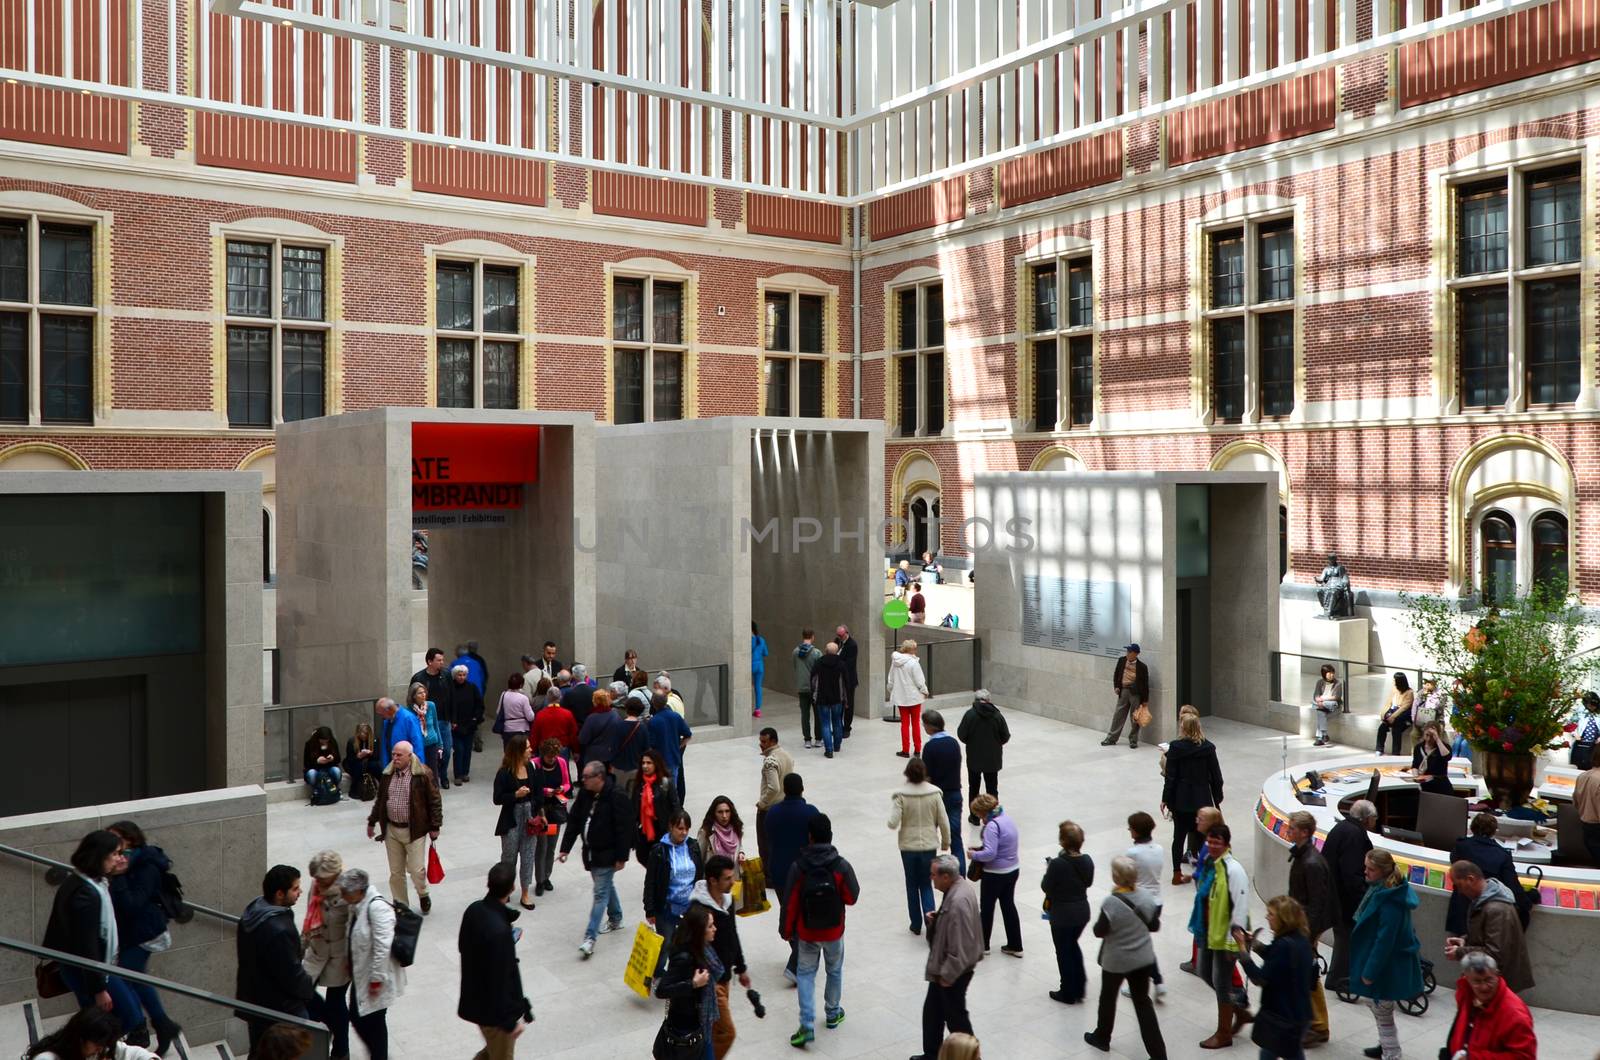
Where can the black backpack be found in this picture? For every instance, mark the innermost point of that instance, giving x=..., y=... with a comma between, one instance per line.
x=821, y=904
x=170, y=898
x=326, y=790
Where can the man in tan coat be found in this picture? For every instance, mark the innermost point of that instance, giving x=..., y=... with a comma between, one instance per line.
x=955, y=946
x=775, y=765
x=1493, y=926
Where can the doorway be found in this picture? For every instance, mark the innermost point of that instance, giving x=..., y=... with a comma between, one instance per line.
x=1193, y=661
x=97, y=730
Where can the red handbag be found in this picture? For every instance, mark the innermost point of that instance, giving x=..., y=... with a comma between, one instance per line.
x=435, y=866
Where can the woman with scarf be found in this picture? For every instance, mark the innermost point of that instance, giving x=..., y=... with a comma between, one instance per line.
x=1221, y=903
x=554, y=783
x=325, y=940
x=83, y=922
x=321, y=759
x=1384, y=962
x=654, y=801
x=686, y=986
x=1285, y=977
x=427, y=712
x=722, y=832
x=142, y=922
x=517, y=794
x=671, y=867
x=360, y=761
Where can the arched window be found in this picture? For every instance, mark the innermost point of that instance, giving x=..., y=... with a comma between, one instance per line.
x=1283, y=542
x=1499, y=535
x=1550, y=551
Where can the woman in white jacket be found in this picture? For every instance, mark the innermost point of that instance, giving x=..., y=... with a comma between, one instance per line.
x=907, y=691
x=89, y=1035
x=919, y=814
x=376, y=978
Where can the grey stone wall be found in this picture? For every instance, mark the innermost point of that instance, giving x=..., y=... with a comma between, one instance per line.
x=1244, y=599
x=217, y=841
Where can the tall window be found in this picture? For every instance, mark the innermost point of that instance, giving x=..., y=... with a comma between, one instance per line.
x=919, y=359
x=1061, y=344
x=1498, y=532
x=792, y=335
x=479, y=322
x=1250, y=320
x=648, y=348
x=47, y=321
x=1516, y=283
x=277, y=332
x=1550, y=551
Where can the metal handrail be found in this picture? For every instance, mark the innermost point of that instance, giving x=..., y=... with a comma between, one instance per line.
x=244, y=1009
x=52, y=863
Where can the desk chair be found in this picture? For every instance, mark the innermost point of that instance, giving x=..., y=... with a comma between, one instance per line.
x=1570, y=847
x=1441, y=819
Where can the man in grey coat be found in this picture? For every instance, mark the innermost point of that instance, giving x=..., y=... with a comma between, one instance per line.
x=955, y=946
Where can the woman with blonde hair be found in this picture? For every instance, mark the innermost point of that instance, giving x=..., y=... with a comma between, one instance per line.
x=960, y=1047
x=997, y=853
x=908, y=690
x=1285, y=976
x=1385, y=965
x=325, y=937
x=1127, y=917
x=360, y=765
x=1193, y=781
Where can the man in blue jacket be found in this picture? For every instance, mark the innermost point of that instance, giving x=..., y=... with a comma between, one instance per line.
x=787, y=821
x=397, y=725
x=942, y=755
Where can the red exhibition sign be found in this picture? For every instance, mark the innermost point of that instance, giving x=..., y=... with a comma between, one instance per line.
x=472, y=466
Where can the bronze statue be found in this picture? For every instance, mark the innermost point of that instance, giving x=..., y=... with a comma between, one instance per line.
x=1335, y=595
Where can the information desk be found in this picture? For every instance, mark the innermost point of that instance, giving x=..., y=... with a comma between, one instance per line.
x=1563, y=936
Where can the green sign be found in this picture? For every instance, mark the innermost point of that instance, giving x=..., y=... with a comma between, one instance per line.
x=896, y=614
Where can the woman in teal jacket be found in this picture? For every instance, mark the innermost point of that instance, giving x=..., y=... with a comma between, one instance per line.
x=1384, y=962
x=758, y=666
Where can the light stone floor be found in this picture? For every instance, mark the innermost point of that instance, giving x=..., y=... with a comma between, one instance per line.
x=1053, y=771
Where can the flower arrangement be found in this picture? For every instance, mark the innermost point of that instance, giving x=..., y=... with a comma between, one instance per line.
x=1515, y=675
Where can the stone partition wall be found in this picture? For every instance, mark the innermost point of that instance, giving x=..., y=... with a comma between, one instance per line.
x=217, y=841
x=1122, y=527
x=345, y=621
x=822, y=484
x=686, y=560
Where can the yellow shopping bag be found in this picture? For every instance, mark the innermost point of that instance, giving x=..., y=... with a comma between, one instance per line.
x=750, y=892
x=642, y=961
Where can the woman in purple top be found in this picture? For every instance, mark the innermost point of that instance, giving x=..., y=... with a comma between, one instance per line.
x=998, y=856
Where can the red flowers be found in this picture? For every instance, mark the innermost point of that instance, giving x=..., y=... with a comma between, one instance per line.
x=1494, y=733
x=1506, y=745
x=1478, y=707
x=1570, y=726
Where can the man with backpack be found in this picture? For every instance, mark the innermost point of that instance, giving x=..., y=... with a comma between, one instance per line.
x=819, y=886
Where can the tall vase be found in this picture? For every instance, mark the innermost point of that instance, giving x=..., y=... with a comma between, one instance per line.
x=1509, y=775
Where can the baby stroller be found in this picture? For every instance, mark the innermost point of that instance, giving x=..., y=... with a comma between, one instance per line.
x=1412, y=1006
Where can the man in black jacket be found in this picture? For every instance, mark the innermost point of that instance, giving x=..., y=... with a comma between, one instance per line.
x=848, y=651
x=268, y=951
x=941, y=753
x=1345, y=851
x=491, y=984
x=603, y=816
x=715, y=892
x=432, y=676
x=1481, y=849
x=462, y=710
x=1130, y=680
x=1311, y=884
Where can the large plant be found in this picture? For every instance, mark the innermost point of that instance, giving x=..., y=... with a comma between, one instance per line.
x=1513, y=674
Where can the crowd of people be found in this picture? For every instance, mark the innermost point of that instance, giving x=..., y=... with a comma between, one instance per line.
x=602, y=770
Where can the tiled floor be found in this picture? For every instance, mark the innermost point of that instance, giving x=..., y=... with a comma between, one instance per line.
x=1053, y=771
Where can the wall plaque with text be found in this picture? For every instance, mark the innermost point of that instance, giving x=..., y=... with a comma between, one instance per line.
x=1075, y=614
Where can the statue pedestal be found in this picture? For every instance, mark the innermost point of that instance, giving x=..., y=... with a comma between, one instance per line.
x=1330, y=639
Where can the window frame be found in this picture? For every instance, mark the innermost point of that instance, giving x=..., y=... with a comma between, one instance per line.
x=920, y=353
x=1515, y=280
x=1251, y=310
x=794, y=355
x=36, y=309
x=478, y=335
x=275, y=322
x=1064, y=335
x=649, y=347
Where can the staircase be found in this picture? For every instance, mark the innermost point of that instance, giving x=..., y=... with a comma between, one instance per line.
x=23, y=1024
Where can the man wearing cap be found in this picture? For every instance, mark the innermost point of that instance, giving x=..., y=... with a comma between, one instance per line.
x=1131, y=680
